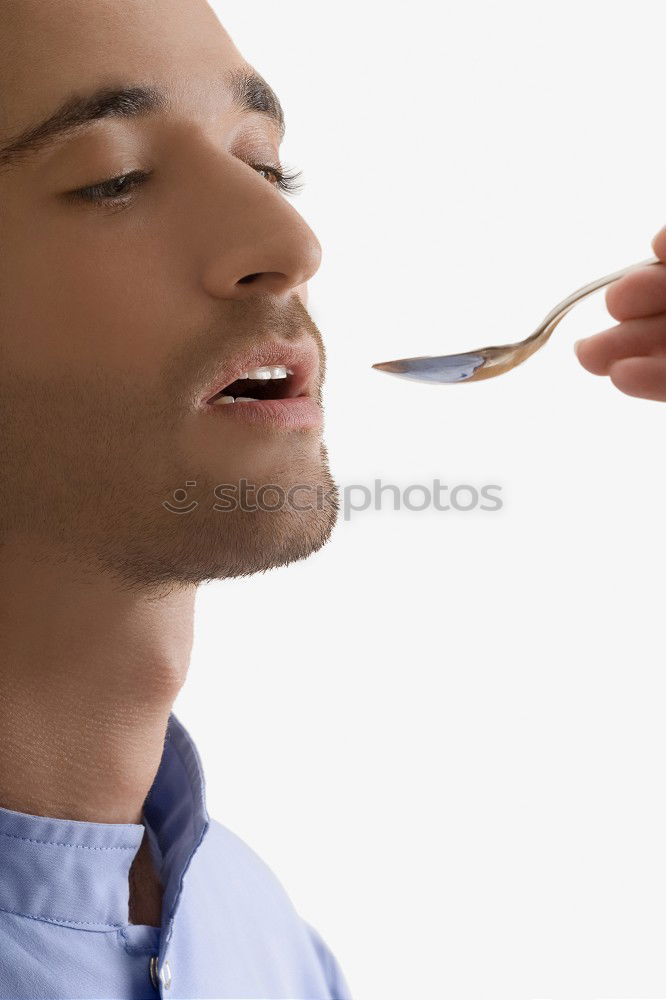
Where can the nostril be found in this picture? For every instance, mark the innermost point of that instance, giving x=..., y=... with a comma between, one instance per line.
x=248, y=279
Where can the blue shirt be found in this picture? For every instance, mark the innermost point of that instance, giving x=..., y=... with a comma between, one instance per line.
x=228, y=928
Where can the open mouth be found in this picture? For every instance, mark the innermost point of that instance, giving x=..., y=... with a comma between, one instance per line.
x=268, y=382
x=274, y=385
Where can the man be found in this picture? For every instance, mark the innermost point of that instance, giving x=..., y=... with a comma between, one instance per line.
x=151, y=273
x=152, y=279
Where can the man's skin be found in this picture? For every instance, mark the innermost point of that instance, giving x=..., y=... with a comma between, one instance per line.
x=112, y=320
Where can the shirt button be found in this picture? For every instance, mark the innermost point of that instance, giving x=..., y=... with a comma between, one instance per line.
x=164, y=975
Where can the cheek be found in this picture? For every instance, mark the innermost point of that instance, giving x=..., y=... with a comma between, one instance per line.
x=82, y=304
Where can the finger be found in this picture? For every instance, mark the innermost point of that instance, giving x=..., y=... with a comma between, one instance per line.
x=639, y=293
x=633, y=338
x=659, y=244
x=642, y=377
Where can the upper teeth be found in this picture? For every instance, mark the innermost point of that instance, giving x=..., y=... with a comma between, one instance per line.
x=268, y=371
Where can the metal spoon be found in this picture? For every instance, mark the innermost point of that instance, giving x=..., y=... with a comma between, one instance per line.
x=486, y=362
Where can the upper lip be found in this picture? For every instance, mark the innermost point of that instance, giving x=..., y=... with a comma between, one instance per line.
x=302, y=358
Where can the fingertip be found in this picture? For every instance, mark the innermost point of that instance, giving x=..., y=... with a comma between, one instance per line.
x=659, y=244
x=587, y=351
x=615, y=296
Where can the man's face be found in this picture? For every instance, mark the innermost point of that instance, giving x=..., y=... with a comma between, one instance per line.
x=121, y=316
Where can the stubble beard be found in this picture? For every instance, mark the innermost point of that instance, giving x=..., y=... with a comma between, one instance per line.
x=86, y=473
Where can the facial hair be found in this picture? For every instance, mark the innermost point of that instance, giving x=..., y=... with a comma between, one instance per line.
x=89, y=459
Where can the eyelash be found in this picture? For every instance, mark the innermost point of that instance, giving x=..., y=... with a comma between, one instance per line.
x=287, y=181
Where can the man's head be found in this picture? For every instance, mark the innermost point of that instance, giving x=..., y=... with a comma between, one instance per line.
x=125, y=306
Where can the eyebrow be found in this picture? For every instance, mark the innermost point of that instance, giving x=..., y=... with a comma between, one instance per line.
x=249, y=93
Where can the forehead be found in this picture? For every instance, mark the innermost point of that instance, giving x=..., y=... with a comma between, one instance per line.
x=56, y=47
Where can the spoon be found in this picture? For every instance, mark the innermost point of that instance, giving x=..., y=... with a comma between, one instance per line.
x=486, y=362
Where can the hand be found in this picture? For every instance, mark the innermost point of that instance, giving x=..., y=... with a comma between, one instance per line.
x=633, y=353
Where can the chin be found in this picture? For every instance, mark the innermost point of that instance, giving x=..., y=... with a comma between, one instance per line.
x=264, y=540
x=224, y=537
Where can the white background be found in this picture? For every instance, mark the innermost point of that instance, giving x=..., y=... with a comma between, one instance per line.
x=445, y=732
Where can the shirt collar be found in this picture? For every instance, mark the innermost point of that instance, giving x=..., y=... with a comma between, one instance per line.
x=77, y=873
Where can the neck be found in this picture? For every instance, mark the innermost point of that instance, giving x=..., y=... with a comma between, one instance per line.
x=88, y=673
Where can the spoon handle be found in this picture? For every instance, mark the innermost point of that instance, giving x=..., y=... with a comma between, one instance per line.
x=593, y=286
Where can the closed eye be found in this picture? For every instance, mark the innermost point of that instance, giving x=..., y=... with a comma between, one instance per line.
x=288, y=181
x=116, y=189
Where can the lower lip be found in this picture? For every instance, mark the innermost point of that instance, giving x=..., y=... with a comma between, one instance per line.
x=288, y=414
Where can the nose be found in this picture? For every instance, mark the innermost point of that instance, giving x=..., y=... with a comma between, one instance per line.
x=257, y=242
